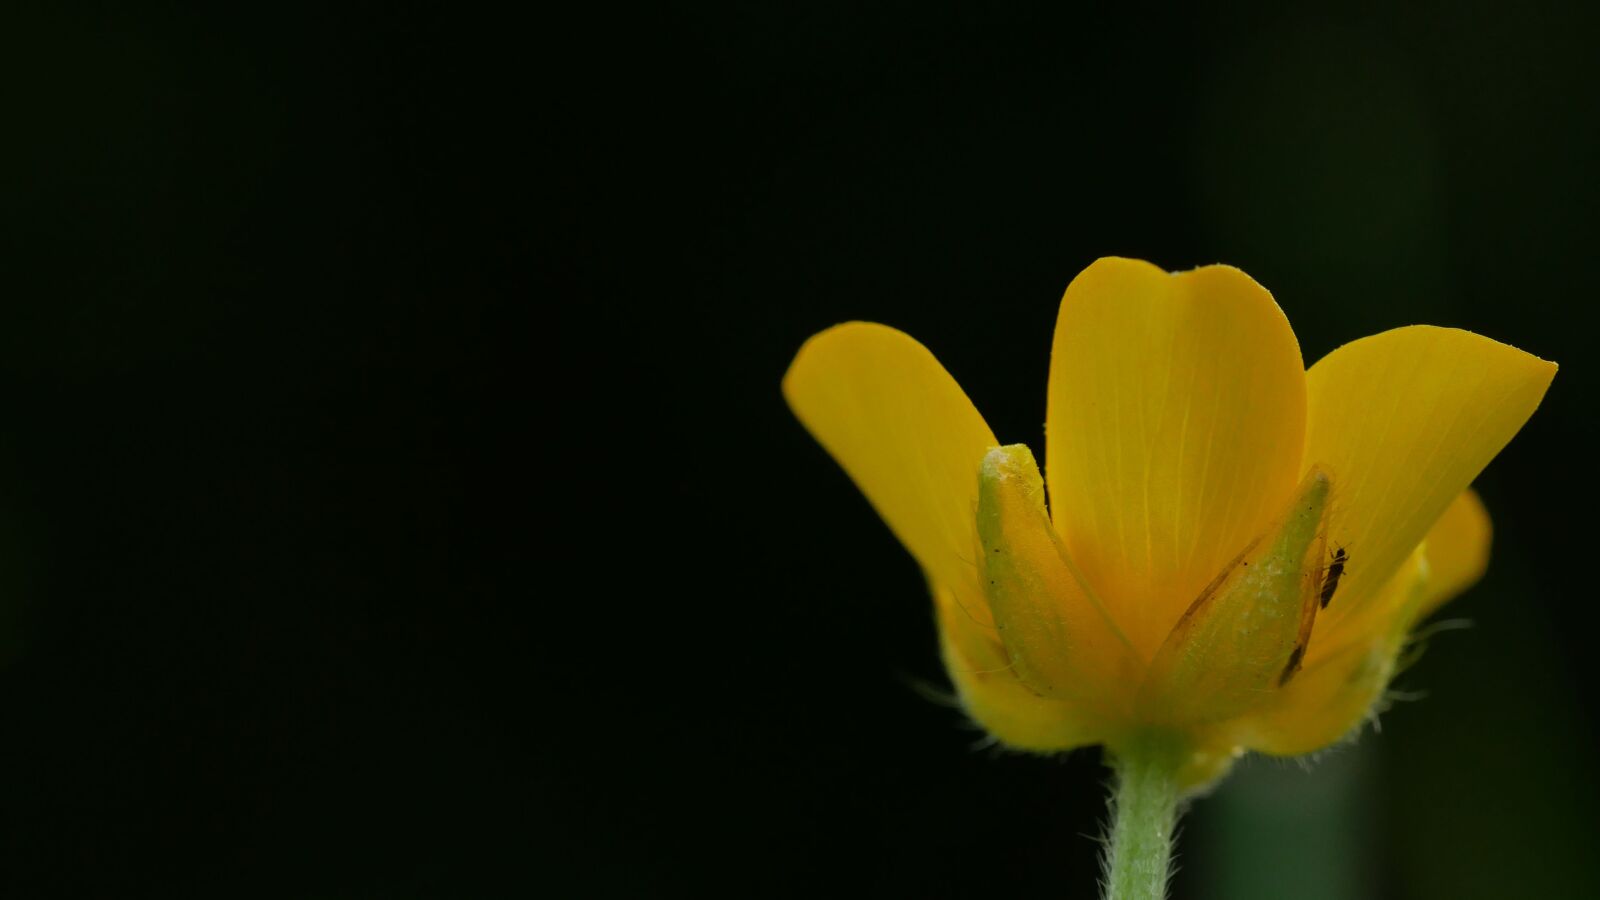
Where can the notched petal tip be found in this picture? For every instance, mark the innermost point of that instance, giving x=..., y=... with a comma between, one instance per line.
x=1176, y=415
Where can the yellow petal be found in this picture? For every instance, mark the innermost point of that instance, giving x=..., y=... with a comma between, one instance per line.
x=1404, y=420
x=1175, y=423
x=996, y=699
x=1246, y=635
x=1457, y=549
x=907, y=435
x=1059, y=639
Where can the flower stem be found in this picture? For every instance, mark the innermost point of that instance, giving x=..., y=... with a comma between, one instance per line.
x=1144, y=809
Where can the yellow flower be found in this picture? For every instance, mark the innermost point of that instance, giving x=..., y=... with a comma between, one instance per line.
x=1235, y=547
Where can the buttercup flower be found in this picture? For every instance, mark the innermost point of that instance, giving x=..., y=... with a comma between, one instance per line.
x=1234, y=547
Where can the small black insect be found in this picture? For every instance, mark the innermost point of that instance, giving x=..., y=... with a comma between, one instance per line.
x=1330, y=580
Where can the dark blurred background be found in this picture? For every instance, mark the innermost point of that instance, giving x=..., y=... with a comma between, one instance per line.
x=396, y=499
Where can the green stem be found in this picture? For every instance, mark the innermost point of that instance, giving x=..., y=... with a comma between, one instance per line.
x=1144, y=809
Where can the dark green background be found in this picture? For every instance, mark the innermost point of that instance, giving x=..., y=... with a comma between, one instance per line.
x=396, y=498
